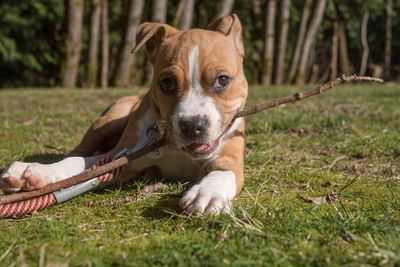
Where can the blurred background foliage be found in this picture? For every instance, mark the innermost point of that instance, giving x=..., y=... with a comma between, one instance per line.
x=33, y=37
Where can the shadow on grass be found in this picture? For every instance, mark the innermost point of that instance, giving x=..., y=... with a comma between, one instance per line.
x=159, y=204
x=167, y=202
x=44, y=158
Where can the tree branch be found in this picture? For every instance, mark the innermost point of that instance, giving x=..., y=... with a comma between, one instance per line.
x=300, y=96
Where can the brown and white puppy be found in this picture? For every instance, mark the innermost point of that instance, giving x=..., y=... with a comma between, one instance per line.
x=198, y=86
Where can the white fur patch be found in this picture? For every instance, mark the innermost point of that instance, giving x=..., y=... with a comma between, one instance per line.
x=51, y=173
x=68, y=167
x=196, y=102
x=194, y=67
x=212, y=194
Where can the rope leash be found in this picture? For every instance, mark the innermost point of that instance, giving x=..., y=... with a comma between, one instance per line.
x=109, y=169
x=28, y=206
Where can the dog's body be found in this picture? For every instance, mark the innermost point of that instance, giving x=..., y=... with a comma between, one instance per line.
x=198, y=86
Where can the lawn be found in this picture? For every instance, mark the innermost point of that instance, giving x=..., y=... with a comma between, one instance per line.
x=345, y=143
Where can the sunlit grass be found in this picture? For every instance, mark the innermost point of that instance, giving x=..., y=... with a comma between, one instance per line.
x=346, y=141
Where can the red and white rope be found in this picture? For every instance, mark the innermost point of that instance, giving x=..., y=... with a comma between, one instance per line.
x=108, y=176
x=21, y=208
x=17, y=209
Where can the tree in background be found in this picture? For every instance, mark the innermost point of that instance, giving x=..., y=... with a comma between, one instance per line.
x=310, y=40
x=73, y=42
x=300, y=40
x=91, y=65
x=225, y=9
x=284, y=29
x=32, y=42
x=364, y=42
x=350, y=35
x=334, y=49
x=158, y=14
x=105, y=45
x=185, y=14
x=159, y=11
x=345, y=64
x=268, y=50
x=388, y=43
x=125, y=58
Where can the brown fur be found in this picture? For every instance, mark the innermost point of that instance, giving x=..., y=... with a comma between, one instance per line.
x=168, y=49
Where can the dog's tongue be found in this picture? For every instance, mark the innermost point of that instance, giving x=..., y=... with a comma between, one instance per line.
x=201, y=147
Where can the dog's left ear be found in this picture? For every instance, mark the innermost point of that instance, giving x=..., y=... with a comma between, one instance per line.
x=152, y=35
x=229, y=26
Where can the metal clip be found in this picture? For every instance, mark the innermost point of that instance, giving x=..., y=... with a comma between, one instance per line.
x=149, y=136
x=156, y=131
x=76, y=190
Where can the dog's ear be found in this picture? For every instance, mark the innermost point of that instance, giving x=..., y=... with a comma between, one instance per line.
x=152, y=34
x=229, y=25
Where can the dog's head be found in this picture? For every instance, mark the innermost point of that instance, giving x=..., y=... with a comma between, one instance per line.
x=198, y=83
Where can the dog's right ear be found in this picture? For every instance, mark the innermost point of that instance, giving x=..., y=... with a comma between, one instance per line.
x=230, y=26
x=152, y=34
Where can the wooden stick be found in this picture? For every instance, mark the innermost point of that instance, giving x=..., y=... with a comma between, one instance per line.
x=124, y=160
x=300, y=96
x=79, y=178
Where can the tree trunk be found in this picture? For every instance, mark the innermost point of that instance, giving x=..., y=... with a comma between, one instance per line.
x=388, y=43
x=74, y=42
x=334, y=48
x=104, y=44
x=158, y=14
x=310, y=38
x=185, y=20
x=178, y=14
x=364, y=42
x=345, y=64
x=311, y=62
x=256, y=13
x=124, y=67
x=269, y=40
x=257, y=30
x=300, y=40
x=159, y=11
x=91, y=67
x=226, y=8
x=314, y=74
x=284, y=28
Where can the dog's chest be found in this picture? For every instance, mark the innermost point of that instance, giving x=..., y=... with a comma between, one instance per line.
x=175, y=165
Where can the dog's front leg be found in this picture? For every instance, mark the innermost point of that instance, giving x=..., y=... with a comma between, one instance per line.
x=211, y=195
x=224, y=180
x=30, y=176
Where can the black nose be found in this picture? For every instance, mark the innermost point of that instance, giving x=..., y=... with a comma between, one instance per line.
x=193, y=127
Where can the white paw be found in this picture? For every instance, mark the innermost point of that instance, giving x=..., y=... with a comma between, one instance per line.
x=211, y=195
x=23, y=176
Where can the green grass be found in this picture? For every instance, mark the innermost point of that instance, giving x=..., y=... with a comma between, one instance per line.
x=349, y=136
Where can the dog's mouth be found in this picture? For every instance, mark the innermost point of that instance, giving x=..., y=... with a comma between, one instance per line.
x=201, y=150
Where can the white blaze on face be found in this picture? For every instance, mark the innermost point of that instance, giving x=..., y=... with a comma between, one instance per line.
x=195, y=102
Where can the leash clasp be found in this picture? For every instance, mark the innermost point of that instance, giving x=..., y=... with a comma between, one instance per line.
x=152, y=134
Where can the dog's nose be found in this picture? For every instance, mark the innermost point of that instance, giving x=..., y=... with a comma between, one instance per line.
x=194, y=126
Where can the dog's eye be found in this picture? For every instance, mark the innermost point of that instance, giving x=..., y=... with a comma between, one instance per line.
x=220, y=83
x=168, y=85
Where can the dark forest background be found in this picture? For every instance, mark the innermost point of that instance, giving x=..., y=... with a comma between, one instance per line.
x=87, y=43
